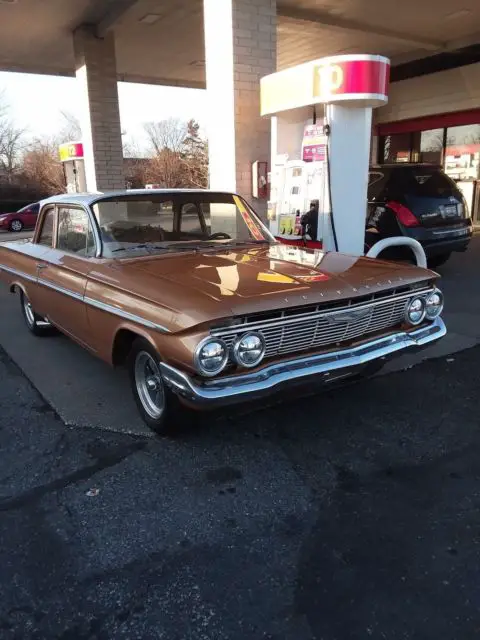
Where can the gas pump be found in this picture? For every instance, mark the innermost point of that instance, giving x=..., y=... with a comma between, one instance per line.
x=71, y=156
x=321, y=123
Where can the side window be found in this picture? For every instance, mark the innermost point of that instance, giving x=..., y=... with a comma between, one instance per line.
x=74, y=232
x=46, y=232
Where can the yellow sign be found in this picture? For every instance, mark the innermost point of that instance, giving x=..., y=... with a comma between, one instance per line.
x=70, y=151
x=286, y=225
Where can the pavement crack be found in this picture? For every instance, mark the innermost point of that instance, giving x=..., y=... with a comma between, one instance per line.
x=37, y=493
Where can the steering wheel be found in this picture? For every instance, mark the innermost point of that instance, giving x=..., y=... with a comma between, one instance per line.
x=220, y=236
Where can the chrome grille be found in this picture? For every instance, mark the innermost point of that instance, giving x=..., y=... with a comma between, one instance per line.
x=296, y=331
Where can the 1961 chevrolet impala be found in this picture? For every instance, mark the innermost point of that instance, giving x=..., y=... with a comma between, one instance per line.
x=192, y=293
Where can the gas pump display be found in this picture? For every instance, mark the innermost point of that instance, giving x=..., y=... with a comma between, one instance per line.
x=314, y=146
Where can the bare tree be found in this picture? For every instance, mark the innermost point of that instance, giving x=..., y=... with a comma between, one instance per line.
x=166, y=134
x=167, y=169
x=195, y=156
x=11, y=141
x=71, y=129
x=11, y=147
x=41, y=166
x=131, y=148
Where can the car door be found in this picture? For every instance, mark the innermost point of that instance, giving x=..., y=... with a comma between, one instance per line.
x=31, y=215
x=64, y=270
x=24, y=261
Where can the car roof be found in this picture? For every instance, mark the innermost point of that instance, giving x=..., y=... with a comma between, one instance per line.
x=91, y=198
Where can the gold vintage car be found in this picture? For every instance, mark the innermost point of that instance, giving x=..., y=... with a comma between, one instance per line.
x=191, y=292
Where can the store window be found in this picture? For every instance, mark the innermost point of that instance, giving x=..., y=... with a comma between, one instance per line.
x=462, y=152
x=397, y=148
x=431, y=146
x=456, y=148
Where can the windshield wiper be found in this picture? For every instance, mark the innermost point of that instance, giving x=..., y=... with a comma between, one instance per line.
x=200, y=246
x=136, y=246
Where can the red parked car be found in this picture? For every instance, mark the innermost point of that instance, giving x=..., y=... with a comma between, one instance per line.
x=25, y=218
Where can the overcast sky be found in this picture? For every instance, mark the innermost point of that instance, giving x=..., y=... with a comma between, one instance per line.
x=36, y=103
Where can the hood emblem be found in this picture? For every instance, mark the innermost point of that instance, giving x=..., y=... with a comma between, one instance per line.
x=348, y=316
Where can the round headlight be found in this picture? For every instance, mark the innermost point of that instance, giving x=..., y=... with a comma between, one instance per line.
x=434, y=303
x=249, y=349
x=415, y=312
x=211, y=356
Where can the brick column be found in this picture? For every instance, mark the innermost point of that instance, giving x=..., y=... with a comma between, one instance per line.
x=96, y=72
x=240, y=48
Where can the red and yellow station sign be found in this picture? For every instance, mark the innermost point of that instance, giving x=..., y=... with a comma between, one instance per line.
x=70, y=151
x=361, y=79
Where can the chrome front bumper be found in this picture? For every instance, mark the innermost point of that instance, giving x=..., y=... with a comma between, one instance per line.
x=327, y=367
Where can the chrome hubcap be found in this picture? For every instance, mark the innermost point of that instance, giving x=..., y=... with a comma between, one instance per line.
x=149, y=383
x=29, y=312
x=16, y=226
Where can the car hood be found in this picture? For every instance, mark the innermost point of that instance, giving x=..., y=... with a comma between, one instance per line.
x=249, y=280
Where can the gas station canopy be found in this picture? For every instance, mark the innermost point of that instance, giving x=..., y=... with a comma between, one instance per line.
x=162, y=42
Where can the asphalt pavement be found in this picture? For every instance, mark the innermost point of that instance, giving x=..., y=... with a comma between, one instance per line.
x=8, y=236
x=348, y=515
x=352, y=514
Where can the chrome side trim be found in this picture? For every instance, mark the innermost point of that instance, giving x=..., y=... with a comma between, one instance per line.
x=89, y=301
x=19, y=274
x=294, y=319
x=326, y=367
x=108, y=308
x=62, y=290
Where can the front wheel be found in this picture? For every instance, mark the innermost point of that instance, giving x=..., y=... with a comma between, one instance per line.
x=437, y=261
x=16, y=226
x=160, y=409
x=35, y=323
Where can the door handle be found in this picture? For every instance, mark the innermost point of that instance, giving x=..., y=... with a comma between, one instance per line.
x=41, y=266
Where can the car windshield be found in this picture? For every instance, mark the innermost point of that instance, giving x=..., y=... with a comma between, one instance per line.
x=180, y=221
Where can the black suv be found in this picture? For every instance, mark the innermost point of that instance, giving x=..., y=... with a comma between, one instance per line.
x=421, y=202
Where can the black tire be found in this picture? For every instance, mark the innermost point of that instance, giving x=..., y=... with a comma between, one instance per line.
x=35, y=323
x=15, y=225
x=174, y=417
x=437, y=261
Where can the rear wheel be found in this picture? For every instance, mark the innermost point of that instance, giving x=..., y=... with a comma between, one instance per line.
x=16, y=225
x=437, y=261
x=160, y=409
x=35, y=323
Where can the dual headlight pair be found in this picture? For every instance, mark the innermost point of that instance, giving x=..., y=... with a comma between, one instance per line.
x=421, y=307
x=212, y=354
